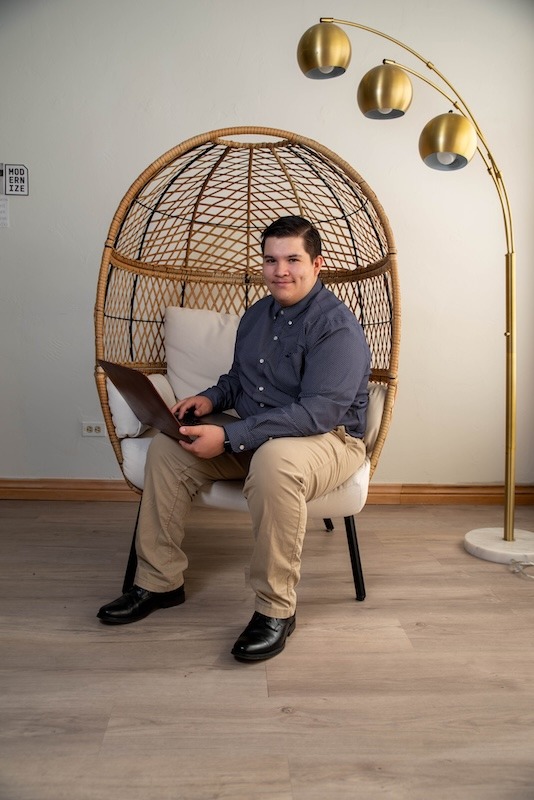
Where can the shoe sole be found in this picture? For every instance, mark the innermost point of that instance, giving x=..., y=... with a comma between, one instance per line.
x=270, y=654
x=128, y=620
x=116, y=621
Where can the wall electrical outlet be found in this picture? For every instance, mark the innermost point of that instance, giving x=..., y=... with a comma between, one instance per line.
x=93, y=429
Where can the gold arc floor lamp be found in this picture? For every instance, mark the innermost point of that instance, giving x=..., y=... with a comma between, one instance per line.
x=447, y=142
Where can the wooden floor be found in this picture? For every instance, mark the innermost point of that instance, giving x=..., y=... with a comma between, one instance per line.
x=425, y=690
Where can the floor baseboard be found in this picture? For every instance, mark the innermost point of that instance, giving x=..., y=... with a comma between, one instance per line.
x=446, y=494
x=65, y=489
x=379, y=494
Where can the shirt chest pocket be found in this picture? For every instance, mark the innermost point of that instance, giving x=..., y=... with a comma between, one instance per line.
x=288, y=367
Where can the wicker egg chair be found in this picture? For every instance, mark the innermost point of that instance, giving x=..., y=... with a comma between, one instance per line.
x=187, y=234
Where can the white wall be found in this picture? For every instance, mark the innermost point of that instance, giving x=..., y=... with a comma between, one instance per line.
x=93, y=92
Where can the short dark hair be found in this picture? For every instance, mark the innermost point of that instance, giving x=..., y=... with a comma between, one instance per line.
x=294, y=226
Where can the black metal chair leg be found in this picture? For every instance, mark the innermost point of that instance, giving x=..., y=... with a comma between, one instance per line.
x=329, y=525
x=357, y=572
x=129, y=575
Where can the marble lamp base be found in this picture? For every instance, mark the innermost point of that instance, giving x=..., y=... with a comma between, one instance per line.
x=489, y=543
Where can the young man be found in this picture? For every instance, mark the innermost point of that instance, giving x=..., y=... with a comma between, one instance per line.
x=299, y=384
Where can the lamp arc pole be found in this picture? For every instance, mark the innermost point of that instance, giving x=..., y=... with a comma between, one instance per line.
x=493, y=544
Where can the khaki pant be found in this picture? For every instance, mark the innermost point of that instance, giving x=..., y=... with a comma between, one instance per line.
x=279, y=478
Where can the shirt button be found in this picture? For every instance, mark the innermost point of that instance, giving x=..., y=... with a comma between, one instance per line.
x=262, y=360
x=241, y=446
x=282, y=312
x=262, y=405
x=290, y=322
x=260, y=388
x=275, y=338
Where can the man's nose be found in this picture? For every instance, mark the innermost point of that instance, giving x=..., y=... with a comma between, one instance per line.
x=281, y=268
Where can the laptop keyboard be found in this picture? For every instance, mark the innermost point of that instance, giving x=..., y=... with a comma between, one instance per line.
x=189, y=419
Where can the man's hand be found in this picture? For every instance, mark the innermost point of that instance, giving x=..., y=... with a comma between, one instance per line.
x=208, y=440
x=198, y=404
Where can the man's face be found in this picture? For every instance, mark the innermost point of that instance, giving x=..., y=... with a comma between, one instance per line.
x=289, y=271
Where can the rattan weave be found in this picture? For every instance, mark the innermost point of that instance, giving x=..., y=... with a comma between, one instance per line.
x=187, y=233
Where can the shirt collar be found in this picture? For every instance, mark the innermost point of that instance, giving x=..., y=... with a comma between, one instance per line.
x=291, y=312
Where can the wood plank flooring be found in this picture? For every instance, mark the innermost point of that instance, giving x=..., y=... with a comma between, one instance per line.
x=424, y=691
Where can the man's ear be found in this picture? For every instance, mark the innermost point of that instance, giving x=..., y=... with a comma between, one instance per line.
x=318, y=263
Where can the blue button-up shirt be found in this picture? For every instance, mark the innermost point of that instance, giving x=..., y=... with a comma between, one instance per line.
x=297, y=371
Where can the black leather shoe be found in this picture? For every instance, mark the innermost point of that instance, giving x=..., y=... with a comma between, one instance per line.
x=138, y=603
x=264, y=637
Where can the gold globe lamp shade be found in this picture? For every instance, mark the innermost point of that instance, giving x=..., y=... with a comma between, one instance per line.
x=448, y=142
x=324, y=51
x=385, y=92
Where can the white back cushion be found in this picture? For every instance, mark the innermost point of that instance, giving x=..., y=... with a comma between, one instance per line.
x=377, y=398
x=199, y=347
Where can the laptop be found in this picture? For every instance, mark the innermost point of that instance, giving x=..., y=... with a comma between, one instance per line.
x=149, y=407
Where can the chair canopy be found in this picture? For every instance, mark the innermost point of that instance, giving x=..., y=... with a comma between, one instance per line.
x=187, y=233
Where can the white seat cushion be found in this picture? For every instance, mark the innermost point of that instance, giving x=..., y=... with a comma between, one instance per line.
x=134, y=456
x=345, y=500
